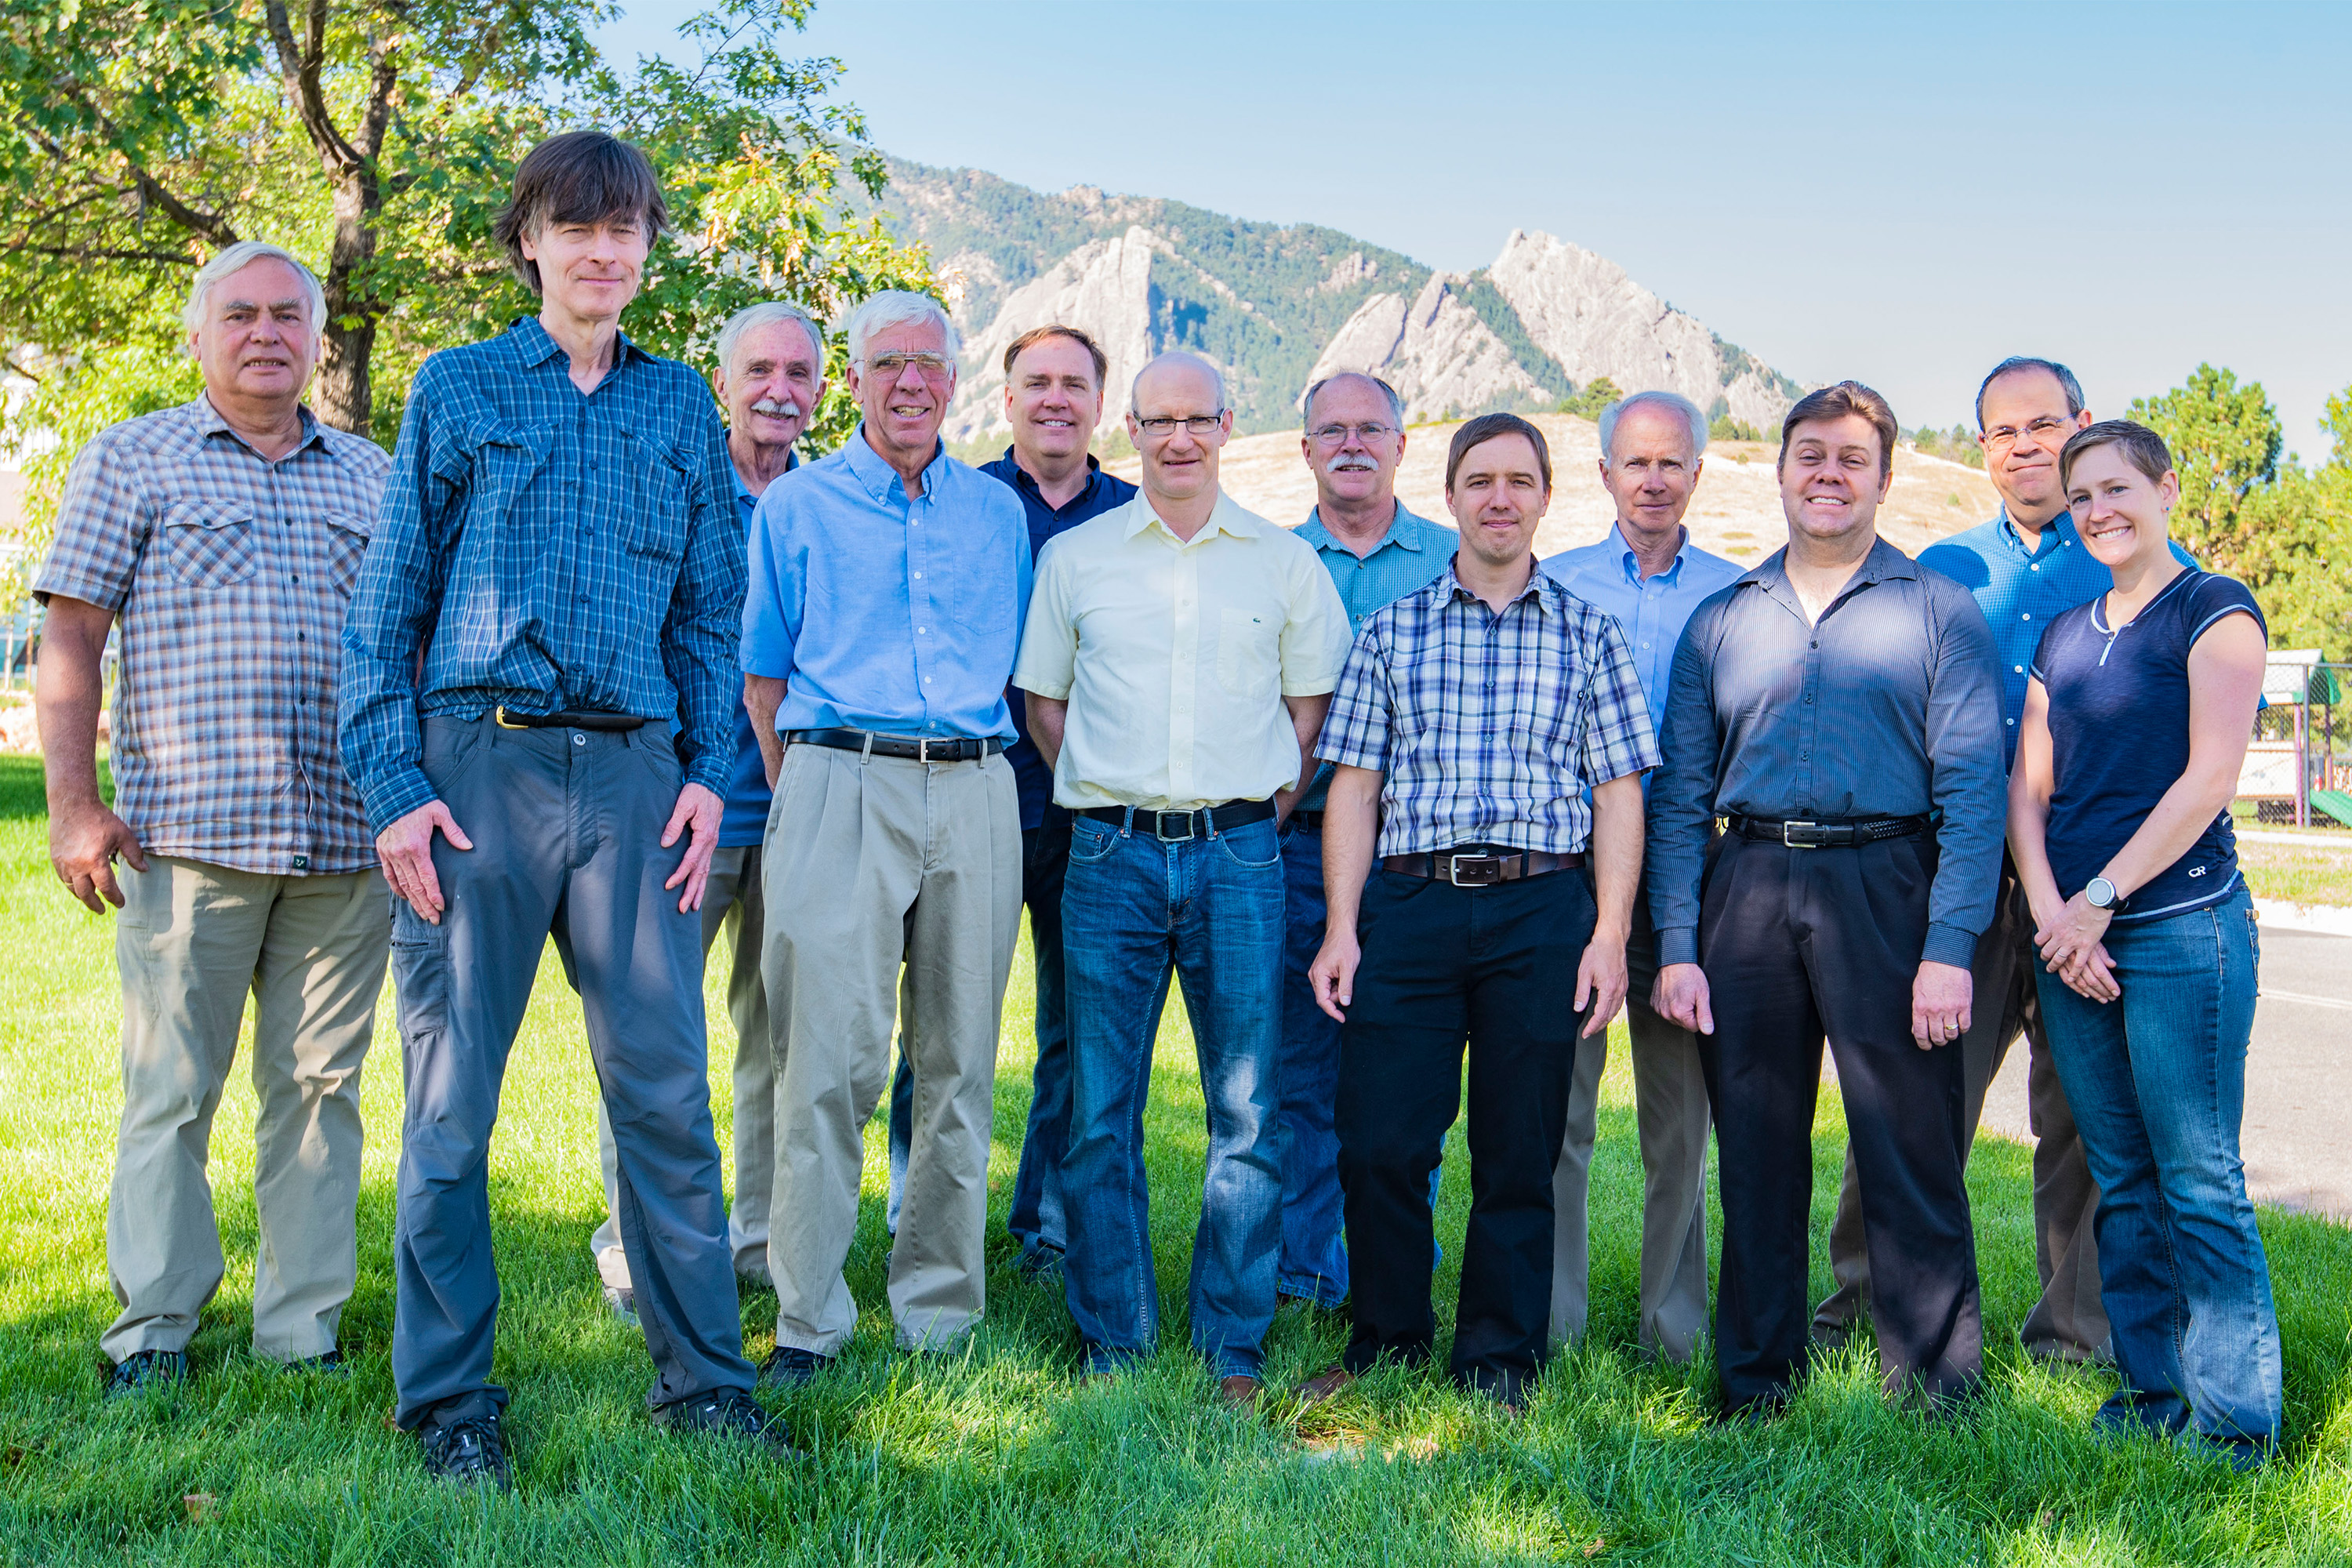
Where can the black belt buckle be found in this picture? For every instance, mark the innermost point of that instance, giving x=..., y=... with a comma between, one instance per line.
x=1808, y=835
x=1485, y=871
x=1159, y=827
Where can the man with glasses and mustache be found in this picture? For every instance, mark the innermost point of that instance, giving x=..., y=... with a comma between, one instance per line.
x=1178, y=658
x=1376, y=552
x=888, y=587
x=770, y=379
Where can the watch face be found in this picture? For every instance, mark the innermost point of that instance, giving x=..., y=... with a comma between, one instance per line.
x=2100, y=894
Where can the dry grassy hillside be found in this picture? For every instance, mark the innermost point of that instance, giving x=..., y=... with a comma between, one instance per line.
x=1735, y=512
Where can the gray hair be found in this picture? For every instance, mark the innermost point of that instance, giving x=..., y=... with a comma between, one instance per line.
x=898, y=308
x=235, y=258
x=1682, y=405
x=1396, y=403
x=1215, y=375
x=766, y=314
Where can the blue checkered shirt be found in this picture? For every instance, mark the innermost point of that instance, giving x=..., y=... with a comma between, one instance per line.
x=229, y=574
x=1486, y=728
x=548, y=551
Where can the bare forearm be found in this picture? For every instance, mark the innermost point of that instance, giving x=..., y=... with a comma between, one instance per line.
x=1046, y=719
x=762, y=695
x=1616, y=855
x=2170, y=830
x=1307, y=724
x=66, y=694
x=1351, y=825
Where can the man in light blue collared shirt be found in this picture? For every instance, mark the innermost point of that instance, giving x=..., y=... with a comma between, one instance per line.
x=1377, y=553
x=1648, y=574
x=888, y=583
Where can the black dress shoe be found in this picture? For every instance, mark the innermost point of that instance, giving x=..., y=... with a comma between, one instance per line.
x=467, y=1453
x=146, y=1369
x=730, y=1413
x=331, y=1363
x=787, y=1367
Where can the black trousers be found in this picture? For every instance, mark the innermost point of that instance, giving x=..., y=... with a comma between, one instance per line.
x=1796, y=943
x=1498, y=964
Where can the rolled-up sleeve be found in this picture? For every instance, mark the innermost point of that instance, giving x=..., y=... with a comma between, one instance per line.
x=1681, y=792
x=1967, y=778
x=702, y=629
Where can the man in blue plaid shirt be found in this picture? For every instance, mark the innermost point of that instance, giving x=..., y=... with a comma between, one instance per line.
x=1471, y=719
x=539, y=667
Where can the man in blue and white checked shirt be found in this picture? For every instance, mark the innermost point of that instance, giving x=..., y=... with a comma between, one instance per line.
x=560, y=541
x=1472, y=720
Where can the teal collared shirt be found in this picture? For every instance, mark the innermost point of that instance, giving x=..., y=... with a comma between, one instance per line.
x=1413, y=553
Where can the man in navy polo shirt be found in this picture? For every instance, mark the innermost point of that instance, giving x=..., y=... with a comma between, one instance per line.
x=770, y=377
x=1053, y=378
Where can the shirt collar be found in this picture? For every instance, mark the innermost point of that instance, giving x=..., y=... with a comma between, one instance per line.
x=744, y=491
x=1398, y=533
x=210, y=423
x=1884, y=562
x=1542, y=587
x=1632, y=563
x=533, y=344
x=1024, y=480
x=2061, y=528
x=881, y=480
x=1226, y=517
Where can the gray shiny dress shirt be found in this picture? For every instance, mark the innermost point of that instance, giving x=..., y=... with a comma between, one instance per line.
x=1889, y=706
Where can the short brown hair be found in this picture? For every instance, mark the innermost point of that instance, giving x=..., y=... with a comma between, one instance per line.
x=581, y=176
x=1847, y=397
x=1036, y=335
x=2143, y=448
x=1485, y=428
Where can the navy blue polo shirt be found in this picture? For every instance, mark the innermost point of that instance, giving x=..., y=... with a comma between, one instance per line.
x=1102, y=492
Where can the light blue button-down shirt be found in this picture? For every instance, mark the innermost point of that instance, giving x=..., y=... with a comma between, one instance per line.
x=1651, y=613
x=1413, y=553
x=883, y=614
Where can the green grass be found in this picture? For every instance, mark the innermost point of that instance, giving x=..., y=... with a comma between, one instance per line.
x=999, y=1456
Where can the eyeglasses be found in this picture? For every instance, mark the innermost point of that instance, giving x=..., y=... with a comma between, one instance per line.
x=934, y=367
x=1165, y=424
x=1337, y=435
x=2001, y=437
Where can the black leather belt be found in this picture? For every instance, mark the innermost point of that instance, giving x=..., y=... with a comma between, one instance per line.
x=961, y=748
x=1481, y=869
x=1833, y=834
x=620, y=722
x=1307, y=821
x=1176, y=826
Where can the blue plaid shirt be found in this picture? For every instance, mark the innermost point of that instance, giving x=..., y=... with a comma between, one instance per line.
x=548, y=551
x=1489, y=729
x=1410, y=555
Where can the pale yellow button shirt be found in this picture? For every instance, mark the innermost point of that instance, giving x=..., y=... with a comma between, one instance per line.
x=1174, y=657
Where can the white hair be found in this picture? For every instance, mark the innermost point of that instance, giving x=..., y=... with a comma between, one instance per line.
x=1215, y=376
x=898, y=308
x=1673, y=400
x=766, y=314
x=1396, y=403
x=234, y=258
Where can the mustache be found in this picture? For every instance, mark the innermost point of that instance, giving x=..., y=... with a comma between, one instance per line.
x=777, y=408
x=1354, y=465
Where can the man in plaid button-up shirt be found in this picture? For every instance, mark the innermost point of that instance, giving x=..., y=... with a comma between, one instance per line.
x=1472, y=720
x=223, y=536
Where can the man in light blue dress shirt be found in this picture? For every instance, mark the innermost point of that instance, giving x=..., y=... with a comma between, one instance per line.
x=888, y=587
x=1377, y=553
x=1648, y=574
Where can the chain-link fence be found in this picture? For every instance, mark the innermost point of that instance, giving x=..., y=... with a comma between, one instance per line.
x=2298, y=770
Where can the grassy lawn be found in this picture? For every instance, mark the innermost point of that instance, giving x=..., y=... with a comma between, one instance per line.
x=999, y=1456
x=2320, y=875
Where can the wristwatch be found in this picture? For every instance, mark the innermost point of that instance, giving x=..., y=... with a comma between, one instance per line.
x=2101, y=894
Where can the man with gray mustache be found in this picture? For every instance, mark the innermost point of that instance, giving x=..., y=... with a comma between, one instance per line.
x=770, y=376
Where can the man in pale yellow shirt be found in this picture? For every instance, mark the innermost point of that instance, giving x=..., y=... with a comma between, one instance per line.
x=1179, y=656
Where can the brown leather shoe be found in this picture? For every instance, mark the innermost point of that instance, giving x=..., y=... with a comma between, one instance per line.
x=1324, y=1387
x=1239, y=1391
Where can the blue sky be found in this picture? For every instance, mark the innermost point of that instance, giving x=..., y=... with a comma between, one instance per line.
x=1902, y=194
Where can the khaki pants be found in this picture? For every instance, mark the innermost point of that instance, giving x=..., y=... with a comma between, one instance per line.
x=731, y=901
x=191, y=941
x=872, y=863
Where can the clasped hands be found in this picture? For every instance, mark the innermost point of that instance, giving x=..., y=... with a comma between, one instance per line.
x=2071, y=941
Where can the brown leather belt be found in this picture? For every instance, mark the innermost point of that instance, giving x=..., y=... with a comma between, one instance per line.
x=1466, y=869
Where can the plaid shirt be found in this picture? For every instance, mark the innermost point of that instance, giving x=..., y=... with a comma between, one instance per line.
x=548, y=551
x=1489, y=729
x=230, y=574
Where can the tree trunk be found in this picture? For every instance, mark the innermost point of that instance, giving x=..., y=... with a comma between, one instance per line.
x=344, y=396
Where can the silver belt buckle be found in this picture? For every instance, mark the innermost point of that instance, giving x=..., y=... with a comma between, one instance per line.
x=1489, y=867
x=923, y=752
x=1789, y=827
x=1159, y=827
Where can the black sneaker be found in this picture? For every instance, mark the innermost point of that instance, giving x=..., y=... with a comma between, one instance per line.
x=144, y=1369
x=787, y=1367
x=331, y=1364
x=730, y=1413
x=467, y=1453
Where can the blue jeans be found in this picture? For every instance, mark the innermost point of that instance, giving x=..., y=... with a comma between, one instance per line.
x=1314, y=1262
x=1133, y=905
x=2157, y=1080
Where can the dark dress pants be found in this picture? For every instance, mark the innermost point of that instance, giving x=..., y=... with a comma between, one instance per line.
x=1796, y=943
x=1498, y=964
x=566, y=826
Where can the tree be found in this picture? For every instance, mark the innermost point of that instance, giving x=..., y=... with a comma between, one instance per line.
x=1596, y=395
x=2225, y=442
x=376, y=138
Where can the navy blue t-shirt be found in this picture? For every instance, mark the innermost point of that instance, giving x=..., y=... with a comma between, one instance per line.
x=2119, y=739
x=1031, y=776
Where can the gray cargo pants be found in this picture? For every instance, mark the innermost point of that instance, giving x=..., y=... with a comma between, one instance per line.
x=566, y=826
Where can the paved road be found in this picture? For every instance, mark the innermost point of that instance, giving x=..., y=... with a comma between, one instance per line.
x=2297, y=1137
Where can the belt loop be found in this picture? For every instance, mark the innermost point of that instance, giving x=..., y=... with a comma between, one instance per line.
x=1127, y=823
x=866, y=756
x=1208, y=820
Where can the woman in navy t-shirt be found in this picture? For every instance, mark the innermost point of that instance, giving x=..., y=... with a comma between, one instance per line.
x=2135, y=727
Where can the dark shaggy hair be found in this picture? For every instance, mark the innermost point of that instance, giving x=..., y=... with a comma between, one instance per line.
x=581, y=176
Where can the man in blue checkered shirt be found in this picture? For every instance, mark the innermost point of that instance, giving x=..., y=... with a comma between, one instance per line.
x=540, y=668
x=1472, y=718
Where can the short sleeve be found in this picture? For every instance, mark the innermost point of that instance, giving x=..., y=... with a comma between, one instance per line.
x=2215, y=600
x=1048, y=664
x=1357, y=730
x=102, y=529
x=1314, y=636
x=1620, y=738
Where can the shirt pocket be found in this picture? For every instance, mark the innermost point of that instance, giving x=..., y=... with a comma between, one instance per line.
x=347, y=536
x=499, y=461
x=660, y=498
x=212, y=542
x=1249, y=655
